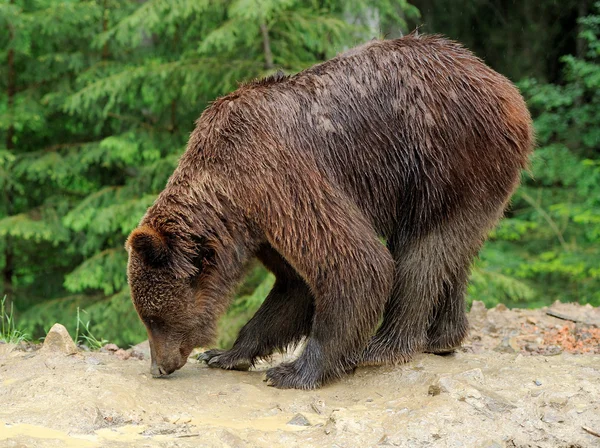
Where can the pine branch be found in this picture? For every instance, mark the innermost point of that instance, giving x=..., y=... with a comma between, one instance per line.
x=548, y=219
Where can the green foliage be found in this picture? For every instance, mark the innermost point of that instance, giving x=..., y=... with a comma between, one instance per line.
x=8, y=331
x=83, y=334
x=548, y=247
x=244, y=306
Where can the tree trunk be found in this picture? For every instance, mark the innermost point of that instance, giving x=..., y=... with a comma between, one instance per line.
x=582, y=11
x=8, y=271
x=266, y=46
x=104, y=28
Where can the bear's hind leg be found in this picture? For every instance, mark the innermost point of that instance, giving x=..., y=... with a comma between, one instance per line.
x=449, y=326
x=424, y=309
x=418, y=275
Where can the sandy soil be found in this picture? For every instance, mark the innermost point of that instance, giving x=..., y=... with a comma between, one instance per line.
x=523, y=379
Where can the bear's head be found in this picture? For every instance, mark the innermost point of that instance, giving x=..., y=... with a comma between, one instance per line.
x=176, y=291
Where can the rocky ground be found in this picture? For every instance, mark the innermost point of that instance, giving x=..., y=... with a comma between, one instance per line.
x=525, y=378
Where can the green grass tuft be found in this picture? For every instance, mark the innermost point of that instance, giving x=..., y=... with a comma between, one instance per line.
x=84, y=336
x=8, y=330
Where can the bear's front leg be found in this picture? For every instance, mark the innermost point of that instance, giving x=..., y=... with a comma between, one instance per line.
x=348, y=270
x=284, y=318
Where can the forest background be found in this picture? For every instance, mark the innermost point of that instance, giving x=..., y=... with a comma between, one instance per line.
x=98, y=97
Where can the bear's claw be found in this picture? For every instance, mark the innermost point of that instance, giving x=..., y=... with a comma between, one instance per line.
x=224, y=359
x=288, y=376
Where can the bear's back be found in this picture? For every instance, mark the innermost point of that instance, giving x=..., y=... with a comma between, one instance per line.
x=411, y=126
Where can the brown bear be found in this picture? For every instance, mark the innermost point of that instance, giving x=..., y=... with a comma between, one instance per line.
x=366, y=184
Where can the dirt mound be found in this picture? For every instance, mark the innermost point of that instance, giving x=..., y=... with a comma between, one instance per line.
x=501, y=389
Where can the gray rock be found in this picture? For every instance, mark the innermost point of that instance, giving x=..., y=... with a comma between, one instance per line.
x=299, y=420
x=508, y=345
x=231, y=440
x=477, y=314
x=492, y=444
x=141, y=350
x=551, y=416
x=59, y=340
x=472, y=376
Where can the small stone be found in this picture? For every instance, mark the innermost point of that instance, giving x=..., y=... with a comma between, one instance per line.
x=501, y=307
x=141, y=350
x=553, y=350
x=505, y=346
x=478, y=314
x=299, y=420
x=471, y=375
x=108, y=348
x=497, y=403
x=557, y=400
x=179, y=419
x=533, y=348
x=123, y=354
x=58, y=339
x=385, y=440
x=551, y=416
x=231, y=440
x=478, y=306
x=434, y=390
x=92, y=361
x=492, y=444
x=537, y=382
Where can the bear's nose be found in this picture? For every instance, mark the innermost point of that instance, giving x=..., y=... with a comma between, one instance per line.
x=162, y=369
x=155, y=370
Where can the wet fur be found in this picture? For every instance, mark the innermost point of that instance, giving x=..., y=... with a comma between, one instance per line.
x=412, y=140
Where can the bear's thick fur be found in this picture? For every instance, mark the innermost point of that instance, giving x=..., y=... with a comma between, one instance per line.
x=413, y=141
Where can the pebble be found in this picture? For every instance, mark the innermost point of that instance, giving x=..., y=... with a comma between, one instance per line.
x=557, y=400
x=508, y=345
x=434, y=390
x=231, y=440
x=109, y=348
x=473, y=374
x=179, y=419
x=492, y=444
x=551, y=416
x=299, y=420
x=123, y=354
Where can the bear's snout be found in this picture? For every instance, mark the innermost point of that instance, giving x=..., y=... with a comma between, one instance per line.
x=161, y=368
x=166, y=356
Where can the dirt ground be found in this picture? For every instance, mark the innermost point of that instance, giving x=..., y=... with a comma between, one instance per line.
x=524, y=378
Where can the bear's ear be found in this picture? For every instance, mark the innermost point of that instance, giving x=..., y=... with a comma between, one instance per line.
x=150, y=245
